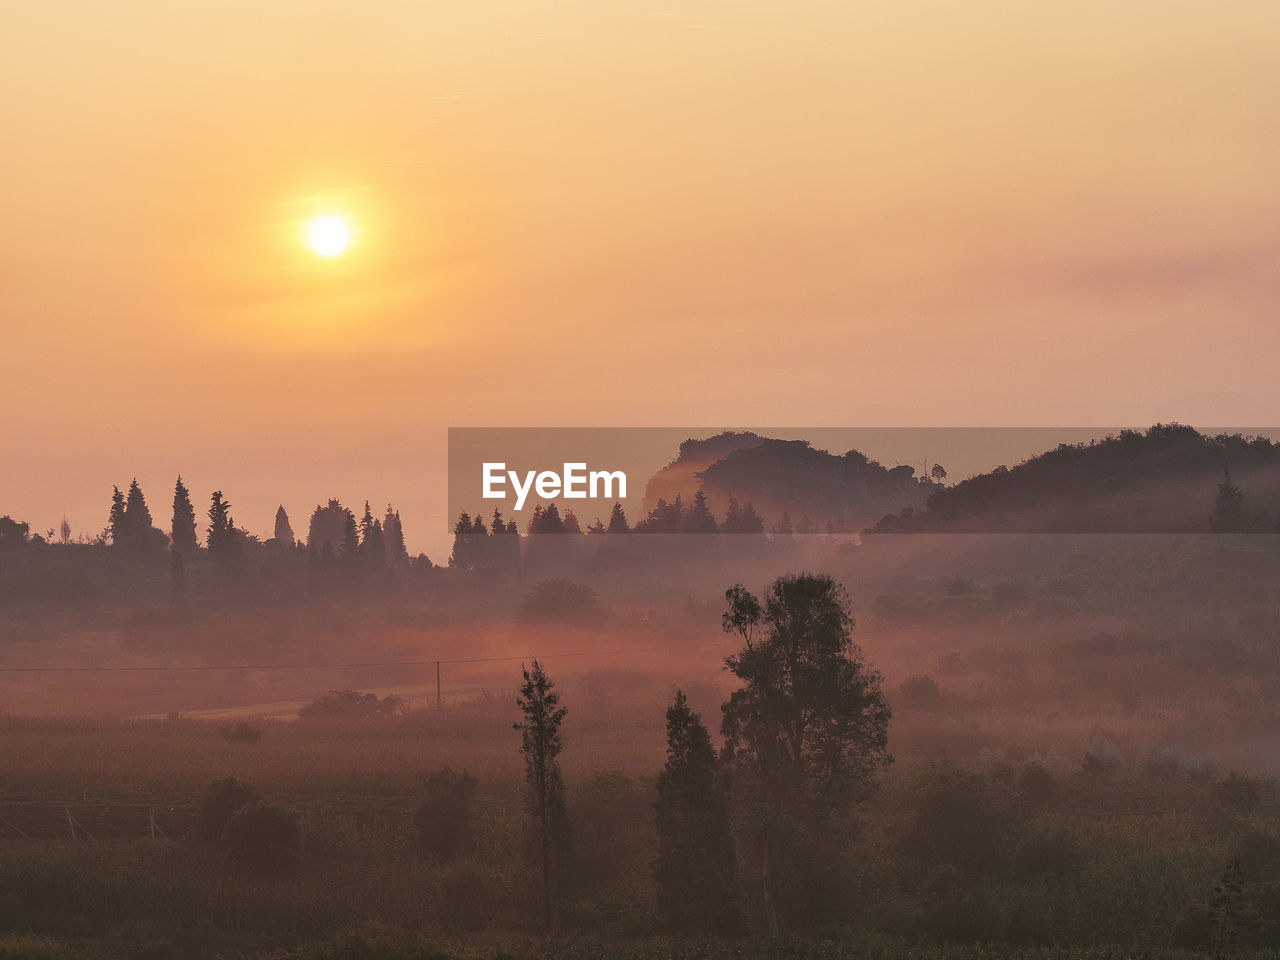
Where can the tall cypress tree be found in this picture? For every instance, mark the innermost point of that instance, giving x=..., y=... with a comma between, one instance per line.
x=183, y=529
x=695, y=867
x=284, y=530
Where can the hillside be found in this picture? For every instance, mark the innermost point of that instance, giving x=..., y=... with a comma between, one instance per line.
x=1165, y=480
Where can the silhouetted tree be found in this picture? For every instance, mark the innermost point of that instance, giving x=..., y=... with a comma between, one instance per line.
x=350, y=553
x=283, y=534
x=326, y=527
x=137, y=518
x=740, y=519
x=699, y=518
x=695, y=867
x=13, y=533
x=806, y=733
x=393, y=536
x=373, y=548
x=64, y=531
x=618, y=520
x=1229, y=512
x=571, y=524
x=182, y=531
x=223, y=540
x=116, y=521
x=540, y=743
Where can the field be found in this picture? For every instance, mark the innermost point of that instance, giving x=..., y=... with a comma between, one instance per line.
x=1084, y=746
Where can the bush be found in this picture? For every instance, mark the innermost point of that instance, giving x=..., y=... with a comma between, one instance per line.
x=218, y=805
x=352, y=705
x=956, y=823
x=1237, y=792
x=264, y=837
x=443, y=819
x=240, y=733
x=560, y=601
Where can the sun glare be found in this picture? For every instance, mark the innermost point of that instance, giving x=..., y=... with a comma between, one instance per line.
x=328, y=236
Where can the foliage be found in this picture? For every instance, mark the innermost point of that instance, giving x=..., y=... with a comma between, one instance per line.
x=805, y=734
x=241, y=733
x=696, y=863
x=351, y=704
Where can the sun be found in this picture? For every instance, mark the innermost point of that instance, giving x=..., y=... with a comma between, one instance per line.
x=328, y=236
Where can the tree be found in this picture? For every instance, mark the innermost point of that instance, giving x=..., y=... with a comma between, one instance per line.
x=699, y=518
x=284, y=530
x=137, y=518
x=64, y=531
x=326, y=527
x=393, y=536
x=116, y=522
x=1229, y=512
x=183, y=529
x=540, y=743
x=938, y=473
x=695, y=867
x=373, y=548
x=571, y=524
x=350, y=540
x=13, y=533
x=805, y=734
x=618, y=520
x=223, y=540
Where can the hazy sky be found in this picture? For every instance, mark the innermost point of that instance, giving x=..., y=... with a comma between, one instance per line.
x=917, y=212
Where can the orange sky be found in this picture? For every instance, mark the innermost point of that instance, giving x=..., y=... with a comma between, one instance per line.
x=919, y=212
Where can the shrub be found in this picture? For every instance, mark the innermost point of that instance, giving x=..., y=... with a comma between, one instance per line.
x=1237, y=792
x=352, y=705
x=240, y=733
x=443, y=819
x=218, y=805
x=264, y=837
x=560, y=601
x=956, y=823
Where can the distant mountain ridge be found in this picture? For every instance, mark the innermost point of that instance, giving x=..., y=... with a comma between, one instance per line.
x=1162, y=481
x=791, y=484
